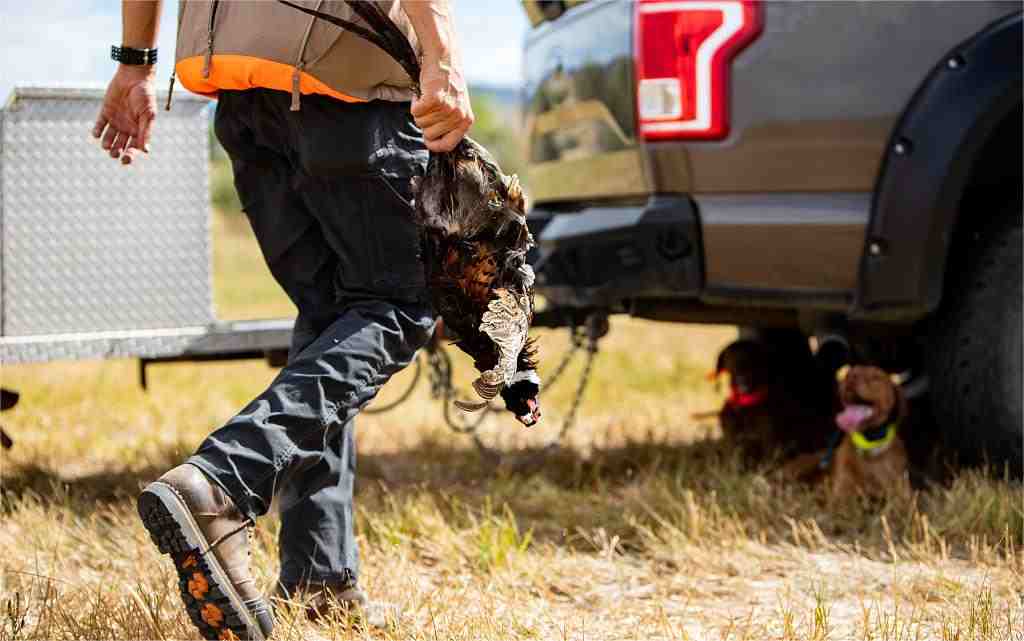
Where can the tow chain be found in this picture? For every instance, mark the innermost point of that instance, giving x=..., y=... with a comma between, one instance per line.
x=439, y=374
x=443, y=389
x=581, y=387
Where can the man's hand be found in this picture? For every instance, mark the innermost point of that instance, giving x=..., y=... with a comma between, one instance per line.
x=126, y=118
x=443, y=111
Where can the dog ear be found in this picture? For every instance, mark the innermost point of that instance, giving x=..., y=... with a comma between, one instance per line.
x=719, y=365
x=902, y=407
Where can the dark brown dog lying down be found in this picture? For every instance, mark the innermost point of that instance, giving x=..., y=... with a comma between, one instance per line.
x=766, y=411
x=871, y=459
x=8, y=399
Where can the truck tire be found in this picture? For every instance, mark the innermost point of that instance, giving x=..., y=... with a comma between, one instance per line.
x=975, y=357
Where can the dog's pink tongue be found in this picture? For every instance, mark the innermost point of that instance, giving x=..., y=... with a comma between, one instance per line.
x=853, y=416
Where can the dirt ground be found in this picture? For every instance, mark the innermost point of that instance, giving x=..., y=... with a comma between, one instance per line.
x=642, y=527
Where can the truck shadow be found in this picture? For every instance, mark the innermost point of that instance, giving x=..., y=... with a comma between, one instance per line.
x=431, y=465
x=631, y=493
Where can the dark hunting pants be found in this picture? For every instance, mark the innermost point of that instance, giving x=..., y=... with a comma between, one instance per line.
x=327, y=193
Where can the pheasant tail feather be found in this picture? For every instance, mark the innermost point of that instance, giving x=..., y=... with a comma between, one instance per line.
x=383, y=33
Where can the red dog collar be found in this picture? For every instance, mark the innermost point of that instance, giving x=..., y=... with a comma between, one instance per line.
x=749, y=399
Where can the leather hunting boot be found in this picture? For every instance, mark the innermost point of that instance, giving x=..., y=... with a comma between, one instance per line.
x=207, y=537
x=322, y=601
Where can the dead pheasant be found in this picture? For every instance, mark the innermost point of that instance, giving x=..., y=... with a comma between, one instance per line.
x=475, y=240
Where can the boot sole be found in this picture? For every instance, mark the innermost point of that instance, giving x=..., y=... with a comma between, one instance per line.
x=211, y=600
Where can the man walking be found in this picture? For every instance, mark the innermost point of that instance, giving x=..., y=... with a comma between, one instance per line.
x=323, y=142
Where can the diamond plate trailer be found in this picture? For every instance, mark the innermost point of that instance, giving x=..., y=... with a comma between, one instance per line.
x=103, y=261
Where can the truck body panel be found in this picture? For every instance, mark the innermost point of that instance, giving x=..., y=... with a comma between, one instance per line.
x=800, y=123
x=580, y=115
x=779, y=242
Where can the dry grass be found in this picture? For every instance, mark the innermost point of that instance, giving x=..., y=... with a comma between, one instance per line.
x=643, y=528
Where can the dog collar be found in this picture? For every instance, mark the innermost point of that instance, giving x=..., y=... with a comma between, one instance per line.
x=874, y=447
x=748, y=399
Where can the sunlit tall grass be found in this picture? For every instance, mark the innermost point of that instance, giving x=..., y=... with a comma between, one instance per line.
x=642, y=527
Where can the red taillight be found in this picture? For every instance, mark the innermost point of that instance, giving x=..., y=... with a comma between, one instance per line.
x=683, y=52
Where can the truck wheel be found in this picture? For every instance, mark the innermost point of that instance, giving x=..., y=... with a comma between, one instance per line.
x=974, y=360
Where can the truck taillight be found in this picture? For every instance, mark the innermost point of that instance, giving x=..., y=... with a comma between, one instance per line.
x=683, y=52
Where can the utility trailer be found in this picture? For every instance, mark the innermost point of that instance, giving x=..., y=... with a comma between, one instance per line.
x=103, y=261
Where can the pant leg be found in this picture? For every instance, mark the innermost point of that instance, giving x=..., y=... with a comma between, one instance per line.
x=289, y=236
x=285, y=432
x=367, y=187
x=355, y=279
x=317, y=541
x=303, y=266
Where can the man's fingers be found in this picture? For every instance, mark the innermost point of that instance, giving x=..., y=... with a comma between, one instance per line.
x=118, y=145
x=430, y=118
x=129, y=153
x=441, y=129
x=108, y=137
x=424, y=105
x=448, y=142
x=145, y=126
x=126, y=117
x=101, y=123
x=444, y=135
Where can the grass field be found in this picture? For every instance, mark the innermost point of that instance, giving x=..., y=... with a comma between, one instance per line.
x=644, y=527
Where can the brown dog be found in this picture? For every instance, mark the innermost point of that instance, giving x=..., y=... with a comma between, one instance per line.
x=871, y=459
x=764, y=412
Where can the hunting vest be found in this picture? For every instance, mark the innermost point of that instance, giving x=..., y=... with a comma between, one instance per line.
x=240, y=44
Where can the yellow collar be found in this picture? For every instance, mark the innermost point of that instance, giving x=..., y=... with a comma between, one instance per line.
x=866, y=446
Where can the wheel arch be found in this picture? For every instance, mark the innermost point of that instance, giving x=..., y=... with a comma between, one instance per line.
x=939, y=140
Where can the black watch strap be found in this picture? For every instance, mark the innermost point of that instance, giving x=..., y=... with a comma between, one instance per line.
x=132, y=56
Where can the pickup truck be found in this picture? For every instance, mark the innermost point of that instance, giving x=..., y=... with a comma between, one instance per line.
x=830, y=169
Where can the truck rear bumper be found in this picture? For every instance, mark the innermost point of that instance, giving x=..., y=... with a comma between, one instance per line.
x=606, y=256
x=797, y=251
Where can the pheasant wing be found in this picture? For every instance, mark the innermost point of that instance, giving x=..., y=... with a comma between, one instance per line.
x=506, y=322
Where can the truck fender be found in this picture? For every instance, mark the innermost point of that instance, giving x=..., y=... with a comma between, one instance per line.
x=926, y=168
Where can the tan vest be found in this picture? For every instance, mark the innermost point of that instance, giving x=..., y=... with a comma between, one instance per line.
x=242, y=44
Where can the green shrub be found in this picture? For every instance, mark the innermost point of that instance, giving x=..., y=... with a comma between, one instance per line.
x=497, y=128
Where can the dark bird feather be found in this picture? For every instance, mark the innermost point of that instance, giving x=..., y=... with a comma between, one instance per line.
x=475, y=239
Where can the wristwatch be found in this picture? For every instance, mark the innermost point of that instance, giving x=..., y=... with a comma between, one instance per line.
x=132, y=56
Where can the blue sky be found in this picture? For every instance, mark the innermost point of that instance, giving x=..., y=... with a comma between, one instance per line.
x=68, y=41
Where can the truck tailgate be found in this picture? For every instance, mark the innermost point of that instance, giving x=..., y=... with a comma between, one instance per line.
x=580, y=110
